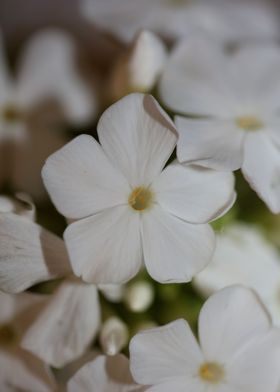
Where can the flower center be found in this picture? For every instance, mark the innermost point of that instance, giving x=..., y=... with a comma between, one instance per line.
x=211, y=372
x=140, y=198
x=10, y=113
x=8, y=335
x=249, y=123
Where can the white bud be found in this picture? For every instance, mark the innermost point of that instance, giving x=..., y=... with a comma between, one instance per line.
x=139, y=296
x=113, y=336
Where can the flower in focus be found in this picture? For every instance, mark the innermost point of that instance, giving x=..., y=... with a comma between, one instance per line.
x=222, y=19
x=239, y=109
x=126, y=208
x=46, y=76
x=104, y=374
x=20, y=370
x=243, y=256
x=239, y=350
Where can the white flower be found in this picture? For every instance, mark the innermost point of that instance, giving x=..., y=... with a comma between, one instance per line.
x=104, y=374
x=126, y=207
x=238, y=95
x=239, y=350
x=243, y=256
x=45, y=73
x=223, y=19
x=139, y=66
x=113, y=336
x=19, y=370
x=21, y=204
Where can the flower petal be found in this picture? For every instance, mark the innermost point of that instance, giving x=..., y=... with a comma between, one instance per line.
x=138, y=137
x=66, y=325
x=104, y=374
x=47, y=70
x=174, y=250
x=5, y=77
x=217, y=144
x=263, y=174
x=228, y=320
x=182, y=384
x=81, y=180
x=28, y=254
x=106, y=247
x=161, y=354
x=193, y=193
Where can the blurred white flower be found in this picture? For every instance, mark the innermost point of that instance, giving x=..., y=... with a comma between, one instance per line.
x=113, y=336
x=139, y=296
x=45, y=72
x=238, y=96
x=226, y=20
x=239, y=350
x=138, y=68
x=21, y=204
x=126, y=207
x=19, y=370
x=243, y=256
x=104, y=374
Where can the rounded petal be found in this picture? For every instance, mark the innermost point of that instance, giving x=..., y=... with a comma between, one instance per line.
x=228, y=320
x=106, y=247
x=104, y=374
x=81, y=180
x=47, y=70
x=174, y=250
x=217, y=144
x=161, y=354
x=263, y=174
x=138, y=137
x=183, y=384
x=66, y=326
x=194, y=194
x=29, y=254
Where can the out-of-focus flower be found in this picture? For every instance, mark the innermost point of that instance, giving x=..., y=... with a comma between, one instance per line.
x=20, y=370
x=46, y=73
x=21, y=204
x=126, y=207
x=138, y=296
x=104, y=374
x=239, y=350
x=225, y=20
x=113, y=336
x=243, y=256
x=138, y=68
x=240, y=107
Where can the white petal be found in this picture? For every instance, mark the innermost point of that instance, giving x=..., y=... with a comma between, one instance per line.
x=138, y=137
x=193, y=193
x=23, y=373
x=217, y=144
x=106, y=247
x=66, y=325
x=47, y=70
x=193, y=82
x=182, y=384
x=28, y=254
x=174, y=250
x=256, y=368
x=263, y=174
x=5, y=77
x=162, y=354
x=104, y=374
x=228, y=320
x=81, y=180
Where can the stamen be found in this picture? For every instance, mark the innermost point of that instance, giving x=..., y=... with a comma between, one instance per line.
x=249, y=123
x=140, y=198
x=211, y=372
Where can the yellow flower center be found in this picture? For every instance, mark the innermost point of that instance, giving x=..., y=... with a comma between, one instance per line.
x=211, y=372
x=8, y=335
x=10, y=113
x=140, y=198
x=249, y=123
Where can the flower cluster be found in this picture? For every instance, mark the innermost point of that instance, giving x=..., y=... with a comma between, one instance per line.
x=134, y=256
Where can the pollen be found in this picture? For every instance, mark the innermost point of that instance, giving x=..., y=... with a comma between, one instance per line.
x=211, y=372
x=140, y=198
x=249, y=123
x=10, y=113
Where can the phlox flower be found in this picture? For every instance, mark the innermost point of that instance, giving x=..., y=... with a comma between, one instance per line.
x=236, y=97
x=104, y=374
x=238, y=351
x=126, y=208
x=45, y=92
x=222, y=19
x=244, y=256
